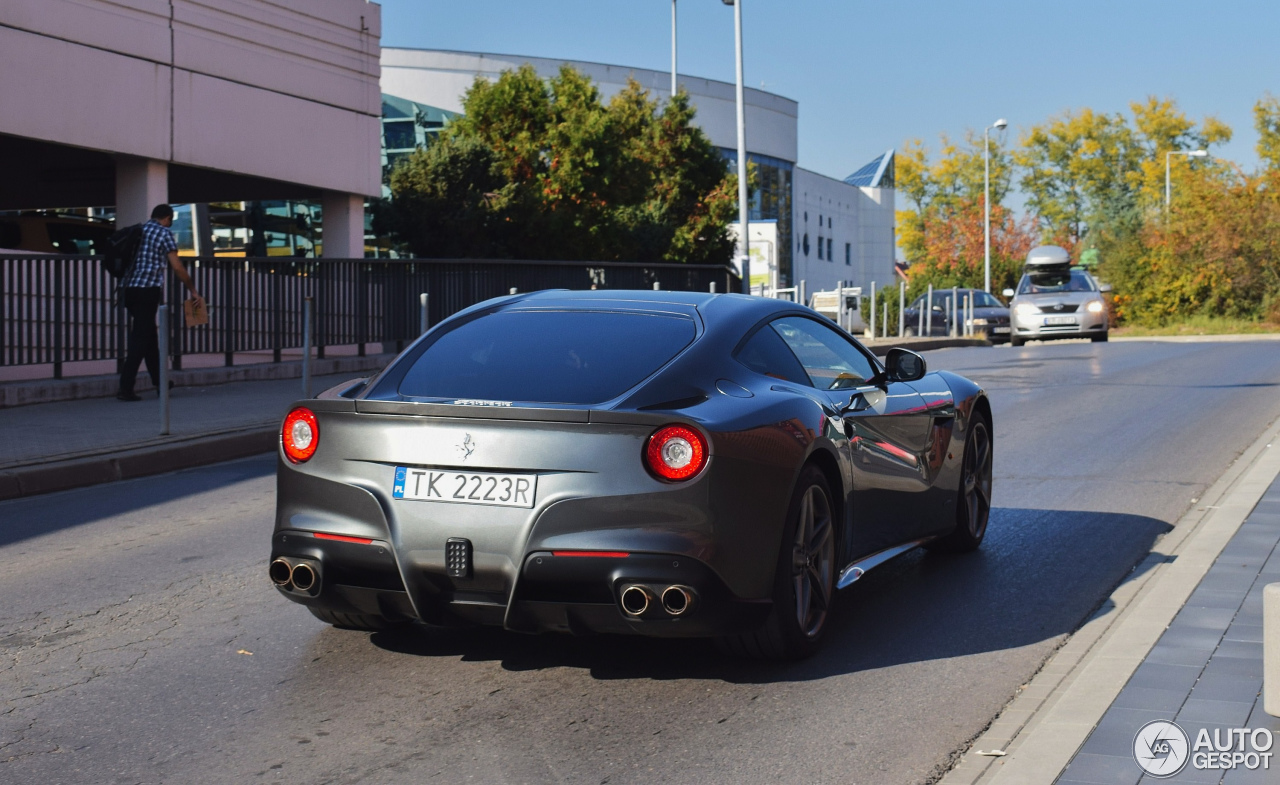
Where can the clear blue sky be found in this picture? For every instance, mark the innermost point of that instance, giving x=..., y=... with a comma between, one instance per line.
x=869, y=75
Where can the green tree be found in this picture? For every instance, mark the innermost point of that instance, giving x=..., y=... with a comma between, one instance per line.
x=545, y=169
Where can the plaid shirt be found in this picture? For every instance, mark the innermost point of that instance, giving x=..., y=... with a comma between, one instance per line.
x=153, y=256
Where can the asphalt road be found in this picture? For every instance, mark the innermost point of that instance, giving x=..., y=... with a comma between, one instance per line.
x=142, y=641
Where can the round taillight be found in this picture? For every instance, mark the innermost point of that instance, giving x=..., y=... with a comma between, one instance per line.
x=300, y=435
x=676, y=452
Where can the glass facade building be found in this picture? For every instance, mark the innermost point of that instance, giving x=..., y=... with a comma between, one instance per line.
x=770, y=200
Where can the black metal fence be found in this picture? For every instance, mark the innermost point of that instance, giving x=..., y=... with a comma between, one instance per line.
x=60, y=309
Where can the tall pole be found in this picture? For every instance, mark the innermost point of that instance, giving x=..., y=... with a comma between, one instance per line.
x=673, y=48
x=986, y=209
x=743, y=242
x=1167, y=192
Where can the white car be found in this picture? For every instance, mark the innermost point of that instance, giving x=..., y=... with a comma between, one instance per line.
x=1056, y=300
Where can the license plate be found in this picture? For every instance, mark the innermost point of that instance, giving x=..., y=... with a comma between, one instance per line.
x=502, y=490
x=1000, y=330
x=1059, y=320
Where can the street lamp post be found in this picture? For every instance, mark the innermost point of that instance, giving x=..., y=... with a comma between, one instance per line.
x=673, y=48
x=999, y=125
x=1190, y=154
x=744, y=257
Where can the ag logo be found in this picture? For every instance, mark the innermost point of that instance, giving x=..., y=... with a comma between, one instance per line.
x=1160, y=748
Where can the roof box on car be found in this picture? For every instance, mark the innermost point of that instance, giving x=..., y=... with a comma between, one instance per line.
x=1048, y=256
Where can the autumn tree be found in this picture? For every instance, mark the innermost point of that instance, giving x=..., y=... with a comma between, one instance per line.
x=945, y=191
x=1082, y=168
x=1266, y=119
x=546, y=169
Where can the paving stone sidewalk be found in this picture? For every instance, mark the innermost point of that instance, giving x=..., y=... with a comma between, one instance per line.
x=1204, y=672
x=67, y=430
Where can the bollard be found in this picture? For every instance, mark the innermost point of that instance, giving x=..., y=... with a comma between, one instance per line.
x=423, y=322
x=954, y=307
x=162, y=316
x=800, y=298
x=902, y=308
x=514, y=290
x=928, y=308
x=872, y=325
x=713, y=287
x=884, y=322
x=1271, y=649
x=307, y=304
x=657, y=286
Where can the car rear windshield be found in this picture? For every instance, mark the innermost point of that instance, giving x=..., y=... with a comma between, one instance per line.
x=1049, y=283
x=570, y=357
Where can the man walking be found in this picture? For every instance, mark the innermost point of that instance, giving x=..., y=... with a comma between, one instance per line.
x=141, y=292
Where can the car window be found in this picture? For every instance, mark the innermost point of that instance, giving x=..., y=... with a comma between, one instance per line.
x=985, y=300
x=1050, y=283
x=767, y=353
x=572, y=357
x=830, y=361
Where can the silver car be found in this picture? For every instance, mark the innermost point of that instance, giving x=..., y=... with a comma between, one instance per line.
x=1057, y=303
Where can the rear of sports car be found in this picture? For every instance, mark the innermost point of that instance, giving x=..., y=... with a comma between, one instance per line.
x=489, y=476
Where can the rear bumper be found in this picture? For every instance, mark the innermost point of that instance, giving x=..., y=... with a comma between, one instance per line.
x=556, y=591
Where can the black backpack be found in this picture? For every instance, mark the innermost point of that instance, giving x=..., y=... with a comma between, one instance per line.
x=122, y=251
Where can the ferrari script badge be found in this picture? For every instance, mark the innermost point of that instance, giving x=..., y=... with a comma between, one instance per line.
x=467, y=447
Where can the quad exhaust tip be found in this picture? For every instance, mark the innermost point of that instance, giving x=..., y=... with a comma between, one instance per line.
x=677, y=599
x=635, y=600
x=304, y=577
x=280, y=572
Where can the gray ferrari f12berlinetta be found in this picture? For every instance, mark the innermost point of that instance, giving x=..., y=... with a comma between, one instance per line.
x=651, y=463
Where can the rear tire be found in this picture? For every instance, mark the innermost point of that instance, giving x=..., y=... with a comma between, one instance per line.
x=973, y=497
x=354, y=621
x=804, y=579
x=1099, y=338
x=1016, y=342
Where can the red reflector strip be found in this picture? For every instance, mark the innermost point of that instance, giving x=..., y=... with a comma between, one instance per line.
x=596, y=554
x=341, y=538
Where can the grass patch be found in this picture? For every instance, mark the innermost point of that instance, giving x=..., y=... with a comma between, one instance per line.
x=1200, y=325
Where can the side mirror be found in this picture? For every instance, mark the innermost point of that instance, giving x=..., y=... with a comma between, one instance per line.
x=1104, y=288
x=901, y=365
x=1007, y=293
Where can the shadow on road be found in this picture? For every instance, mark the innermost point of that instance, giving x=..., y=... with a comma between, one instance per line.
x=24, y=518
x=1038, y=576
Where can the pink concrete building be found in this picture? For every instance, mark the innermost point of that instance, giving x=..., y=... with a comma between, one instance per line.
x=138, y=102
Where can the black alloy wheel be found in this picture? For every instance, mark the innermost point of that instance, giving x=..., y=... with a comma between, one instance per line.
x=813, y=561
x=973, y=502
x=804, y=582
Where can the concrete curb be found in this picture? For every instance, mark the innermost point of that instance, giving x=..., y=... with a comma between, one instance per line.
x=1044, y=726
x=51, y=390
x=139, y=462
x=1227, y=338
x=881, y=346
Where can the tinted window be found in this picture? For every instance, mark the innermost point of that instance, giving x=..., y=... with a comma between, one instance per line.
x=831, y=362
x=766, y=353
x=1048, y=283
x=575, y=357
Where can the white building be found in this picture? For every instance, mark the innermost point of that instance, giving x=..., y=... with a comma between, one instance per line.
x=136, y=102
x=844, y=228
x=788, y=200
